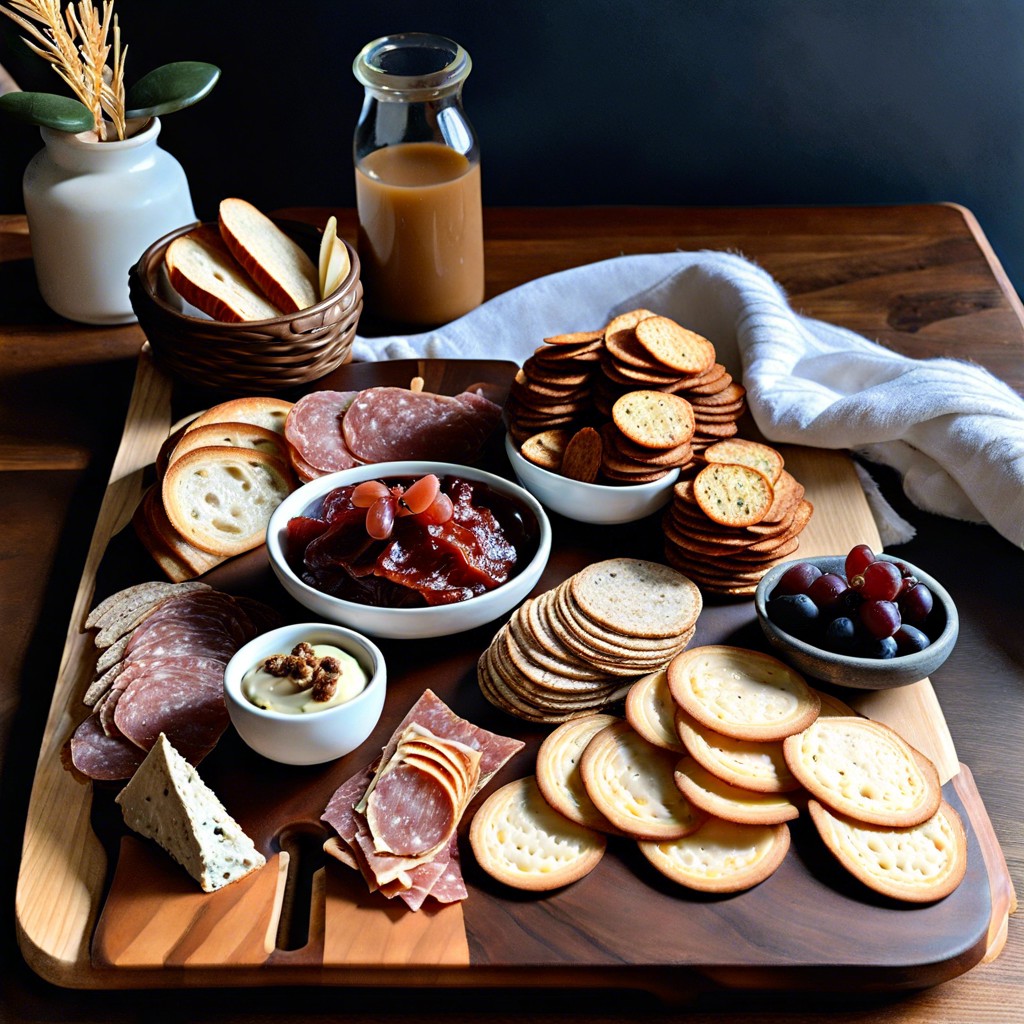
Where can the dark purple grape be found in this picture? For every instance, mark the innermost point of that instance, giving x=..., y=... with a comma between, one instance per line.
x=909, y=639
x=880, y=581
x=796, y=579
x=881, y=648
x=916, y=604
x=795, y=613
x=841, y=635
x=880, y=618
x=827, y=593
x=858, y=559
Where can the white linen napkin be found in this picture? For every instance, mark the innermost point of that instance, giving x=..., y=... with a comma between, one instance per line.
x=953, y=431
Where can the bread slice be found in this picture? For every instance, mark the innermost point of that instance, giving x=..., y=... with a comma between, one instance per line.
x=231, y=435
x=221, y=499
x=167, y=801
x=262, y=410
x=280, y=267
x=204, y=273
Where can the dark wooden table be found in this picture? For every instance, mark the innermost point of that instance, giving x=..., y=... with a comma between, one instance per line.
x=921, y=280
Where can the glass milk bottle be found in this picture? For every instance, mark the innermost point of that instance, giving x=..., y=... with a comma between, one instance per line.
x=417, y=165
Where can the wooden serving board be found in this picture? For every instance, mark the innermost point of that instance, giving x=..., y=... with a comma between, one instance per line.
x=98, y=907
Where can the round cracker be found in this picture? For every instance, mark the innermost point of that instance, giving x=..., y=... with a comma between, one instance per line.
x=675, y=346
x=864, y=770
x=654, y=419
x=731, y=803
x=733, y=495
x=652, y=712
x=743, y=694
x=558, y=770
x=631, y=783
x=546, y=449
x=520, y=840
x=918, y=864
x=721, y=856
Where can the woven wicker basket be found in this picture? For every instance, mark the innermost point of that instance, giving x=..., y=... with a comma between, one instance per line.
x=254, y=357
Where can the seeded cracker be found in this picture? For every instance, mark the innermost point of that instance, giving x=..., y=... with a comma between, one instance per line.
x=654, y=419
x=546, y=448
x=733, y=495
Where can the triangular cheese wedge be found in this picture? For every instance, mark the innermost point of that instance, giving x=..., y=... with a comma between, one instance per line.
x=168, y=802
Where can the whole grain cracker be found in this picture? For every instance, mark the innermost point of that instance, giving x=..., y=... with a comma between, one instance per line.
x=653, y=419
x=675, y=346
x=733, y=495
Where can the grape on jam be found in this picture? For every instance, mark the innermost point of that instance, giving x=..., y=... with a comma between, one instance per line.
x=878, y=609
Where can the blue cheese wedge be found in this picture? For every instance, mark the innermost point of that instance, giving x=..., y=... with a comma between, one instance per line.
x=168, y=802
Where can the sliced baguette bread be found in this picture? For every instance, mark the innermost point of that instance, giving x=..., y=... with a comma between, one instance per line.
x=280, y=268
x=231, y=435
x=204, y=273
x=221, y=499
x=261, y=410
x=168, y=802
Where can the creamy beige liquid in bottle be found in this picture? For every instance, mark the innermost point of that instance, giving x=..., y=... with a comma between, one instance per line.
x=417, y=167
x=420, y=232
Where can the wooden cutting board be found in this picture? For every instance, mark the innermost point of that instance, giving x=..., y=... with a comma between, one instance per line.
x=98, y=907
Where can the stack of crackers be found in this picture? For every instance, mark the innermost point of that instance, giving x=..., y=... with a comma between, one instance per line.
x=740, y=515
x=578, y=647
x=575, y=382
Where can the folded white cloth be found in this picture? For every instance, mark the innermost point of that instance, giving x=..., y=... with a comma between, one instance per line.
x=953, y=431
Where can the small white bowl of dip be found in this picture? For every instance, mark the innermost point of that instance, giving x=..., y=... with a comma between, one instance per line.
x=290, y=727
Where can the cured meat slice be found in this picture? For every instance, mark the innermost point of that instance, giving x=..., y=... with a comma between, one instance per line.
x=102, y=757
x=410, y=812
x=181, y=697
x=314, y=430
x=386, y=423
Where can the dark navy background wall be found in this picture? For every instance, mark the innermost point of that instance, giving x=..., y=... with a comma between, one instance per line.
x=705, y=102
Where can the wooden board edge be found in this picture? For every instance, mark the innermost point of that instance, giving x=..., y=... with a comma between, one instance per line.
x=1004, y=897
x=54, y=933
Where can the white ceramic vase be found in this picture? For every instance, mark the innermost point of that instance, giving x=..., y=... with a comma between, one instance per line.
x=93, y=208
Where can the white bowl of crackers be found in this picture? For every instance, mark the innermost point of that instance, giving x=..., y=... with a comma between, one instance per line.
x=587, y=502
x=352, y=561
x=306, y=693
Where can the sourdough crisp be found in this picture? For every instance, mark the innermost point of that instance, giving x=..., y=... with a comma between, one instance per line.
x=582, y=339
x=760, y=767
x=546, y=449
x=636, y=597
x=558, y=771
x=651, y=711
x=653, y=419
x=582, y=457
x=743, y=694
x=721, y=856
x=864, y=770
x=918, y=864
x=675, y=346
x=631, y=784
x=733, y=495
x=731, y=803
x=518, y=839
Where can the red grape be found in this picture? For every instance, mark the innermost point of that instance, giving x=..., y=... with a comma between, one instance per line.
x=879, y=618
x=380, y=519
x=916, y=604
x=797, y=579
x=858, y=559
x=366, y=493
x=420, y=495
x=827, y=592
x=880, y=581
x=439, y=512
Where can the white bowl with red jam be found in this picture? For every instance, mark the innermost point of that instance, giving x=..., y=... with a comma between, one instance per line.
x=866, y=621
x=409, y=550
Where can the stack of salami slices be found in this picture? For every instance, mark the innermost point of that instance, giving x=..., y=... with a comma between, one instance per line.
x=328, y=431
x=396, y=821
x=163, y=648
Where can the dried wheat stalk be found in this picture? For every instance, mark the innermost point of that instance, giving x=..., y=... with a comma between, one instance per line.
x=76, y=45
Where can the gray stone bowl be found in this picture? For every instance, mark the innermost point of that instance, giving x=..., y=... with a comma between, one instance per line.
x=861, y=673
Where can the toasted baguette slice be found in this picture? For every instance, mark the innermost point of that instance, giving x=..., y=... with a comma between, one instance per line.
x=231, y=435
x=221, y=499
x=261, y=410
x=280, y=268
x=168, y=802
x=206, y=275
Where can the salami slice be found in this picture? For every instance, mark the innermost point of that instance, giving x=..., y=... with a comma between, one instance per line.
x=410, y=813
x=181, y=697
x=101, y=757
x=314, y=429
x=385, y=424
